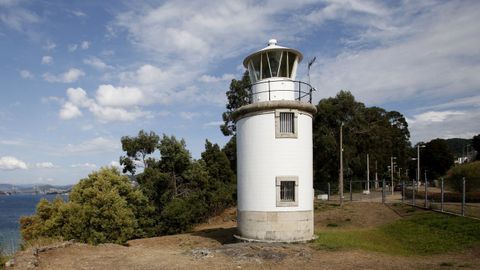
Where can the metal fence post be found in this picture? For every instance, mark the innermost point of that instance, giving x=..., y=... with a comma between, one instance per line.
x=351, y=197
x=328, y=187
x=403, y=191
x=442, y=196
x=383, y=190
x=463, y=197
x=426, y=191
x=413, y=191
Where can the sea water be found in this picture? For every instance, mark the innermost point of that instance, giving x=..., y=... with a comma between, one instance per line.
x=11, y=209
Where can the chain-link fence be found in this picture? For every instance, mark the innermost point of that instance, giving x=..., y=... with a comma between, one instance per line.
x=428, y=195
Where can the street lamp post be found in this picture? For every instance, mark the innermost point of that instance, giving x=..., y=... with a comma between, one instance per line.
x=340, y=176
x=418, y=161
x=391, y=170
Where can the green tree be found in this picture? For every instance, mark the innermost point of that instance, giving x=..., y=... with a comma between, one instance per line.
x=102, y=208
x=436, y=158
x=371, y=130
x=476, y=145
x=175, y=159
x=237, y=95
x=137, y=150
x=230, y=150
x=470, y=171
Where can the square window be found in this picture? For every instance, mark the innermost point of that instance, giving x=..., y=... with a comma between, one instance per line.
x=286, y=123
x=287, y=191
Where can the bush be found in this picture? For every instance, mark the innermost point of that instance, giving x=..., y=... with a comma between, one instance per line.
x=102, y=208
x=471, y=172
x=470, y=197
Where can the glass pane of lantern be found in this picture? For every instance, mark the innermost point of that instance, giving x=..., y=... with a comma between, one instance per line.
x=251, y=72
x=274, y=58
x=265, y=67
x=256, y=66
x=291, y=60
x=283, y=66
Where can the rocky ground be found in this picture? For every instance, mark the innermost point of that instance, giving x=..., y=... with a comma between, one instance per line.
x=212, y=246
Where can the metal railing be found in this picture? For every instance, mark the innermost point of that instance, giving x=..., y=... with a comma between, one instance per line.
x=303, y=91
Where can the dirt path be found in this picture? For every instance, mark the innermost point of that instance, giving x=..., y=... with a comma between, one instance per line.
x=212, y=246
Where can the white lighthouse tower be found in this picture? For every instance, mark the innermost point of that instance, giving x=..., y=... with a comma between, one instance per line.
x=274, y=150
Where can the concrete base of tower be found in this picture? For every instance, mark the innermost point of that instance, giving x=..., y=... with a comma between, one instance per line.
x=291, y=226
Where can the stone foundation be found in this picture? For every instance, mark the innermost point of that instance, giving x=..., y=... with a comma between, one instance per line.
x=292, y=226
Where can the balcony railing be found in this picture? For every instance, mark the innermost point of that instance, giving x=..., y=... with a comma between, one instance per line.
x=302, y=91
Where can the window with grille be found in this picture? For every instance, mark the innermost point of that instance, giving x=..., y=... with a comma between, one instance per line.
x=287, y=191
x=286, y=123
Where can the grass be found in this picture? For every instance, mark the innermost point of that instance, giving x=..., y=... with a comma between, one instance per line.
x=420, y=234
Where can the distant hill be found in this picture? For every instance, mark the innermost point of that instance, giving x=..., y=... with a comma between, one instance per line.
x=457, y=146
x=34, y=188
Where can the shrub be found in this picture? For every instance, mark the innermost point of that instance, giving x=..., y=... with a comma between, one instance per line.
x=102, y=208
x=471, y=172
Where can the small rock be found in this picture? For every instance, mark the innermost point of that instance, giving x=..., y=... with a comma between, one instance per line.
x=10, y=263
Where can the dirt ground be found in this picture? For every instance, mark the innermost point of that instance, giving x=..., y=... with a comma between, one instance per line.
x=212, y=246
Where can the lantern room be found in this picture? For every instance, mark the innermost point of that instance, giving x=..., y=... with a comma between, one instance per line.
x=272, y=73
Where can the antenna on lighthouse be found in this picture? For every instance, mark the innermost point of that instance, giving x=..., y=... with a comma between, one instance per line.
x=310, y=63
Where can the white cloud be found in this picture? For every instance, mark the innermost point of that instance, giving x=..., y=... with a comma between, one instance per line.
x=49, y=45
x=26, y=74
x=428, y=58
x=84, y=165
x=96, y=63
x=444, y=124
x=115, y=164
x=95, y=145
x=78, y=13
x=435, y=116
x=189, y=115
x=46, y=60
x=45, y=165
x=14, y=142
x=9, y=163
x=72, y=47
x=85, y=45
x=213, y=124
x=69, y=111
x=107, y=107
x=212, y=79
x=108, y=95
x=71, y=75
x=16, y=17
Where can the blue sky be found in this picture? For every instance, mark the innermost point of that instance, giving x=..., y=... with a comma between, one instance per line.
x=76, y=76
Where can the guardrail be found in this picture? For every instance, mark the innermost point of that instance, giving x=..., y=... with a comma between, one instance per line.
x=302, y=90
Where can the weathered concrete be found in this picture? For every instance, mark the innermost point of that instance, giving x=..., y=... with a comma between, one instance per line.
x=291, y=226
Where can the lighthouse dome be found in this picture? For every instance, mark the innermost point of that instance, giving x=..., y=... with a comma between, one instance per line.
x=272, y=61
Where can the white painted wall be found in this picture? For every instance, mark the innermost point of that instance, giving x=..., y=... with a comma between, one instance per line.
x=261, y=157
x=276, y=85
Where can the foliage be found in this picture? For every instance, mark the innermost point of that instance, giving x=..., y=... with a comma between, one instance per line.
x=371, y=130
x=102, y=208
x=237, y=96
x=476, y=145
x=230, y=150
x=457, y=146
x=421, y=234
x=436, y=158
x=137, y=149
x=471, y=172
x=3, y=259
x=185, y=191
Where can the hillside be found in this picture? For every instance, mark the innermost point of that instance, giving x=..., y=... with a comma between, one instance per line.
x=212, y=246
x=457, y=146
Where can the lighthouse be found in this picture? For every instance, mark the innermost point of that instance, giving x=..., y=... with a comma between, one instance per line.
x=274, y=150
